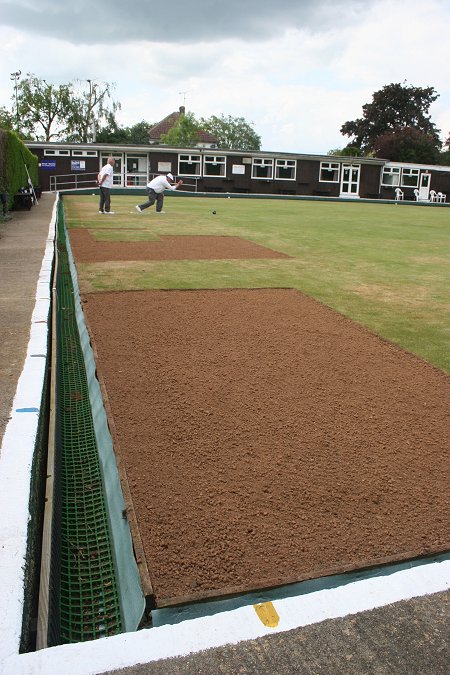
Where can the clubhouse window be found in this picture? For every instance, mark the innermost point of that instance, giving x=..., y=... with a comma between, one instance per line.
x=329, y=172
x=285, y=169
x=84, y=153
x=410, y=177
x=262, y=168
x=214, y=165
x=391, y=176
x=189, y=165
x=49, y=152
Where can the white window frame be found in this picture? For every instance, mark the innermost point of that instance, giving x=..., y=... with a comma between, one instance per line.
x=262, y=162
x=330, y=166
x=215, y=160
x=394, y=172
x=84, y=153
x=412, y=173
x=285, y=164
x=52, y=152
x=186, y=158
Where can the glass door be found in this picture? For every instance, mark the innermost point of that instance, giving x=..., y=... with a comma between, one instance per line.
x=136, y=170
x=424, y=186
x=350, y=180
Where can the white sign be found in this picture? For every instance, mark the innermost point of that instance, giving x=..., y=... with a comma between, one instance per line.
x=238, y=168
x=164, y=167
x=78, y=165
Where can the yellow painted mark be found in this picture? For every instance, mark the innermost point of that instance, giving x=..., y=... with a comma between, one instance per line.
x=267, y=614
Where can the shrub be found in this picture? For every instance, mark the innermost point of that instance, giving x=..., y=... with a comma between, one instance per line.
x=14, y=157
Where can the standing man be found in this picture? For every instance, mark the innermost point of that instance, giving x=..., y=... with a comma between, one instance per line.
x=105, y=182
x=155, y=192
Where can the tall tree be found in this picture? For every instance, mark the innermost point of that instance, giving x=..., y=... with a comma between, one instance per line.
x=44, y=111
x=393, y=107
x=232, y=133
x=184, y=133
x=94, y=106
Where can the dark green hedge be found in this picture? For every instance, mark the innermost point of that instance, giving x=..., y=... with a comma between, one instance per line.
x=13, y=157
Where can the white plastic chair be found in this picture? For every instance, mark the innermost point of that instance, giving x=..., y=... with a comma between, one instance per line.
x=441, y=197
x=433, y=196
x=416, y=194
x=399, y=194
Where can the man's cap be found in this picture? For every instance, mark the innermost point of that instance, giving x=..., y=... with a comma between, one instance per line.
x=169, y=175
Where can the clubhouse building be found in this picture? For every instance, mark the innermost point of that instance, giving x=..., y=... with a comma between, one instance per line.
x=206, y=168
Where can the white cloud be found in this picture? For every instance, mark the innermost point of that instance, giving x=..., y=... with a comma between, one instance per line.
x=298, y=74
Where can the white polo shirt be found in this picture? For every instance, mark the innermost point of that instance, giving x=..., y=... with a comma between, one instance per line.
x=108, y=171
x=160, y=183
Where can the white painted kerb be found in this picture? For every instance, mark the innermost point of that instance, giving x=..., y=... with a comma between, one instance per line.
x=16, y=458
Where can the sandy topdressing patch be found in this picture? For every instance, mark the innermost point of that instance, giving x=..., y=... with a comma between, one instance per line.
x=267, y=439
x=205, y=247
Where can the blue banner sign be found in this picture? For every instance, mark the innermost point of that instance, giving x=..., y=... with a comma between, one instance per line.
x=48, y=164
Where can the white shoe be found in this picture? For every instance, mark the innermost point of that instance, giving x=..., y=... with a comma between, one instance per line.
x=160, y=212
x=110, y=213
x=138, y=209
x=101, y=212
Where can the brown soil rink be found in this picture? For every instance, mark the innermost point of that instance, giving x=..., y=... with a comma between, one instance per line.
x=268, y=439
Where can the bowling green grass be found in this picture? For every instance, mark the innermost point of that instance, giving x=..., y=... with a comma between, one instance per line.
x=386, y=266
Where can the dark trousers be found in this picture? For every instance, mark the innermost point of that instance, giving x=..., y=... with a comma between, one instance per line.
x=152, y=198
x=105, y=200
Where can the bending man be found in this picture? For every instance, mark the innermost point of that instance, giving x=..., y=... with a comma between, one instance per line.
x=155, y=192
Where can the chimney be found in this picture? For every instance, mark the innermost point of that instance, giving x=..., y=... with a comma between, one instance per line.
x=182, y=110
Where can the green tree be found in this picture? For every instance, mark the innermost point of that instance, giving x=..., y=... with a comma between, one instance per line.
x=348, y=151
x=112, y=133
x=232, y=133
x=407, y=145
x=93, y=106
x=139, y=133
x=184, y=133
x=393, y=107
x=44, y=111
x=6, y=119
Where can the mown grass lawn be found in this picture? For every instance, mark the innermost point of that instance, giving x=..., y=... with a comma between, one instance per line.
x=385, y=266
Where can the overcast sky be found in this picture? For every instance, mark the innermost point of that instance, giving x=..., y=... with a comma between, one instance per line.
x=297, y=69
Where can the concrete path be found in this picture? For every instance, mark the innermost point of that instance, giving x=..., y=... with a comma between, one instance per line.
x=407, y=638
x=22, y=246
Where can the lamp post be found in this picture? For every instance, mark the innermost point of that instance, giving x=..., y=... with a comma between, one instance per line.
x=15, y=76
x=91, y=120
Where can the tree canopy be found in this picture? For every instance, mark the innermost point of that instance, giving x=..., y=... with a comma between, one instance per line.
x=348, y=151
x=232, y=133
x=68, y=111
x=85, y=111
x=44, y=111
x=407, y=145
x=394, y=107
x=6, y=119
x=184, y=133
x=92, y=107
